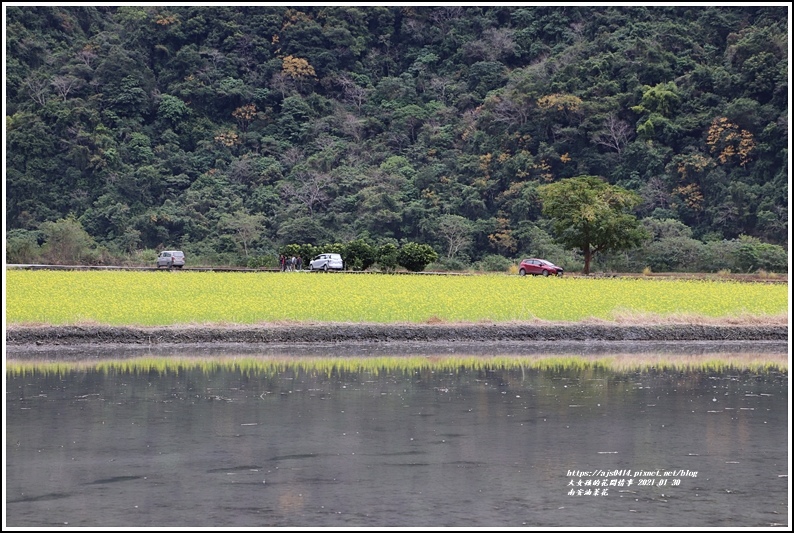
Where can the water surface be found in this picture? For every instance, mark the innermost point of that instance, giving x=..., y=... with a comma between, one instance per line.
x=456, y=446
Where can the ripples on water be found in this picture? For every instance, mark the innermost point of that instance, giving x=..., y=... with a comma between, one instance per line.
x=460, y=437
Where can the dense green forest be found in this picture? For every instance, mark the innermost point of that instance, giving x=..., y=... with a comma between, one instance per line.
x=230, y=132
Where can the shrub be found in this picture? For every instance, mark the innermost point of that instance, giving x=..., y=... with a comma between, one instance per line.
x=449, y=264
x=359, y=255
x=307, y=253
x=415, y=257
x=754, y=254
x=262, y=261
x=387, y=257
x=291, y=249
x=145, y=257
x=772, y=257
x=67, y=243
x=674, y=254
x=720, y=256
x=493, y=263
x=22, y=246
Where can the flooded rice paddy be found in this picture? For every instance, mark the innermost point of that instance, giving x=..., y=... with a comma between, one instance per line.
x=456, y=435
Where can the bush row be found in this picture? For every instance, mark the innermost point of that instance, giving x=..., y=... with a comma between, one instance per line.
x=670, y=249
x=360, y=255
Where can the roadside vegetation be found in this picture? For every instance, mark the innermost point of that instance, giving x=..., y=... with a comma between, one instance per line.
x=171, y=298
x=664, y=246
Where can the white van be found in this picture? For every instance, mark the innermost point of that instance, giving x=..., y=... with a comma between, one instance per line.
x=327, y=262
x=171, y=258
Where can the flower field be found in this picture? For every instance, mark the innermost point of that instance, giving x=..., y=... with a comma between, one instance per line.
x=170, y=298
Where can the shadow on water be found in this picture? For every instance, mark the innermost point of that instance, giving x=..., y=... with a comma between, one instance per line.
x=510, y=435
x=234, y=469
x=114, y=479
x=42, y=498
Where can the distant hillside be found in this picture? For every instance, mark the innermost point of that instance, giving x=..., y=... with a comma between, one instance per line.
x=231, y=131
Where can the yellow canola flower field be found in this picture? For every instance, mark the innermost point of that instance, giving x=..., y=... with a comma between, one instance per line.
x=183, y=297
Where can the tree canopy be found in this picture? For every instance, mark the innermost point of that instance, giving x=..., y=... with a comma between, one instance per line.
x=232, y=131
x=591, y=215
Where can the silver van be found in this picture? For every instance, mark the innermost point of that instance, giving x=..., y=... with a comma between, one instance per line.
x=171, y=258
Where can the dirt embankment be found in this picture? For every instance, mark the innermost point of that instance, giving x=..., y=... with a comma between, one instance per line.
x=325, y=333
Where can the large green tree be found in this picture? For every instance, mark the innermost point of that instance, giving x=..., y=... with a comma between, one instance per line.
x=590, y=214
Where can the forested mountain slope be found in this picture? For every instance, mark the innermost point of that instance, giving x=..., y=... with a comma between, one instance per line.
x=232, y=131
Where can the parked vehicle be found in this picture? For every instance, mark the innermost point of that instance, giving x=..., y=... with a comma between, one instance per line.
x=535, y=267
x=171, y=258
x=327, y=262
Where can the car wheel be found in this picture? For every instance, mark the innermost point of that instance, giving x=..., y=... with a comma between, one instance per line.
x=325, y=267
x=559, y=274
x=522, y=272
x=545, y=273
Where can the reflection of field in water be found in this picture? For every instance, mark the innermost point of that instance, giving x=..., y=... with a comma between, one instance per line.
x=446, y=435
x=622, y=355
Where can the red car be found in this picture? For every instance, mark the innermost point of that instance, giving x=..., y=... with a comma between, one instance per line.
x=538, y=266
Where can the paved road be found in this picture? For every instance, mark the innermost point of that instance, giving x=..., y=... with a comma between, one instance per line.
x=140, y=268
x=780, y=278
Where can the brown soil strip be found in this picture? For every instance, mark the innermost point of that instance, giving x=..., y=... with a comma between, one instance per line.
x=343, y=332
